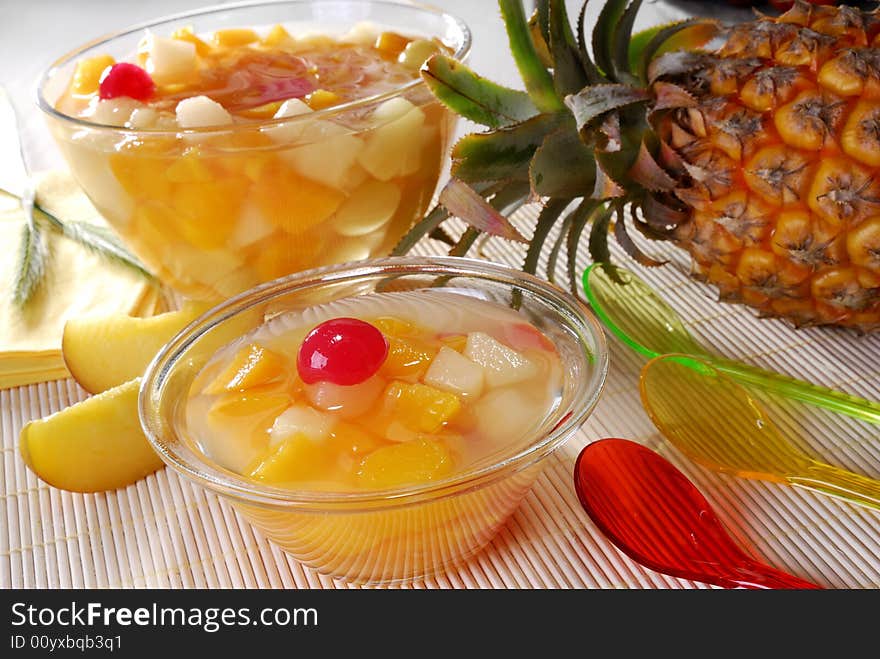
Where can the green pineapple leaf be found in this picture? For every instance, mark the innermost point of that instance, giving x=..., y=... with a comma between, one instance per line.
x=503, y=153
x=603, y=36
x=686, y=35
x=475, y=97
x=569, y=76
x=464, y=202
x=596, y=100
x=537, y=79
x=563, y=166
x=621, y=43
x=546, y=220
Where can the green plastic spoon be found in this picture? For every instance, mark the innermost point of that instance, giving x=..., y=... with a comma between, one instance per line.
x=717, y=424
x=634, y=313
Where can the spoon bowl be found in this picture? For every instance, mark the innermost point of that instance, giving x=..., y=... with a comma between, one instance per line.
x=716, y=423
x=635, y=314
x=654, y=514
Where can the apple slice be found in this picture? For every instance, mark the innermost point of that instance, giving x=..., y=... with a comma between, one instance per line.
x=92, y=446
x=102, y=352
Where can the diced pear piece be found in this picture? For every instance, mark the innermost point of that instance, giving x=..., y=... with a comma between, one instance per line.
x=505, y=415
x=301, y=420
x=328, y=155
x=102, y=352
x=416, y=52
x=452, y=371
x=169, y=60
x=293, y=131
x=201, y=111
x=503, y=365
x=368, y=208
x=363, y=33
x=394, y=147
x=91, y=446
x=113, y=111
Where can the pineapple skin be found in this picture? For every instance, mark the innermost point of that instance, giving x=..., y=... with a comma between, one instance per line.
x=778, y=163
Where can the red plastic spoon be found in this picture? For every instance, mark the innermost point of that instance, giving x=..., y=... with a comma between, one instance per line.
x=657, y=517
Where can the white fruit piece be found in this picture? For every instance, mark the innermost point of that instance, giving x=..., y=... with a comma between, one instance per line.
x=87, y=155
x=251, y=227
x=363, y=33
x=112, y=111
x=290, y=132
x=503, y=365
x=452, y=371
x=505, y=415
x=345, y=401
x=168, y=60
x=301, y=420
x=368, y=208
x=142, y=118
x=330, y=152
x=416, y=52
x=394, y=147
x=356, y=248
x=201, y=111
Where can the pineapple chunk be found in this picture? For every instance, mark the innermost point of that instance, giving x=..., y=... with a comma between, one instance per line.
x=502, y=364
x=234, y=37
x=301, y=421
x=451, y=371
x=87, y=76
x=420, y=407
x=394, y=147
x=321, y=99
x=259, y=400
x=253, y=365
x=201, y=111
x=278, y=37
x=409, y=463
x=367, y=209
x=169, y=60
x=295, y=460
x=407, y=358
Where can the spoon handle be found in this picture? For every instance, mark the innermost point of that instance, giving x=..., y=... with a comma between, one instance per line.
x=758, y=576
x=806, y=392
x=840, y=483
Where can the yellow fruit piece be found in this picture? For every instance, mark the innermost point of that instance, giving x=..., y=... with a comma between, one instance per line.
x=321, y=98
x=278, y=37
x=409, y=463
x=389, y=325
x=191, y=167
x=141, y=171
x=293, y=203
x=87, y=76
x=295, y=460
x=420, y=407
x=252, y=366
x=265, y=111
x=407, y=358
x=102, y=352
x=187, y=34
x=207, y=212
x=391, y=44
x=234, y=37
x=455, y=341
x=92, y=446
x=259, y=400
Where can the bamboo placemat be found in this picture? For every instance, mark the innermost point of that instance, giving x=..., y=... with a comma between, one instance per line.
x=163, y=532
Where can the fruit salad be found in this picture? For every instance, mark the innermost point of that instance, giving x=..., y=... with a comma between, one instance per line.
x=232, y=158
x=379, y=391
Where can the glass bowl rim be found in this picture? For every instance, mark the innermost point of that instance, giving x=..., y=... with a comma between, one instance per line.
x=566, y=420
x=460, y=54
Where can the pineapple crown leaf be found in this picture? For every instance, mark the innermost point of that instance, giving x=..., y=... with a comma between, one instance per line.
x=594, y=101
x=463, y=201
x=603, y=36
x=683, y=36
x=473, y=96
x=621, y=234
x=621, y=41
x=563, y=166
x=504, y=153
x=537, y=79
x=547, y=219
x=569, y=74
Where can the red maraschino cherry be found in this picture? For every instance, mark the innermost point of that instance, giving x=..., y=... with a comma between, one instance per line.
x=344, y=351
x=126, y=79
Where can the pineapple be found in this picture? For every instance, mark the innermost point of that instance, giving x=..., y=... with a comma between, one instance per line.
x=754, y=147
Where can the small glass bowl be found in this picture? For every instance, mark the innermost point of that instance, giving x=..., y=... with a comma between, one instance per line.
x=214, y=211
x=391, y=535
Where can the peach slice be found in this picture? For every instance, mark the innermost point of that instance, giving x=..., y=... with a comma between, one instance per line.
x=102, y=352
x=92, y=446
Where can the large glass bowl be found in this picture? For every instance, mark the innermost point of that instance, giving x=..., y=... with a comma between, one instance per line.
x=391, y=535
x=215, y=211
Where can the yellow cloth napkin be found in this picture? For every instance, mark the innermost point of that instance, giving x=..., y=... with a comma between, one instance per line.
x=77, y=281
